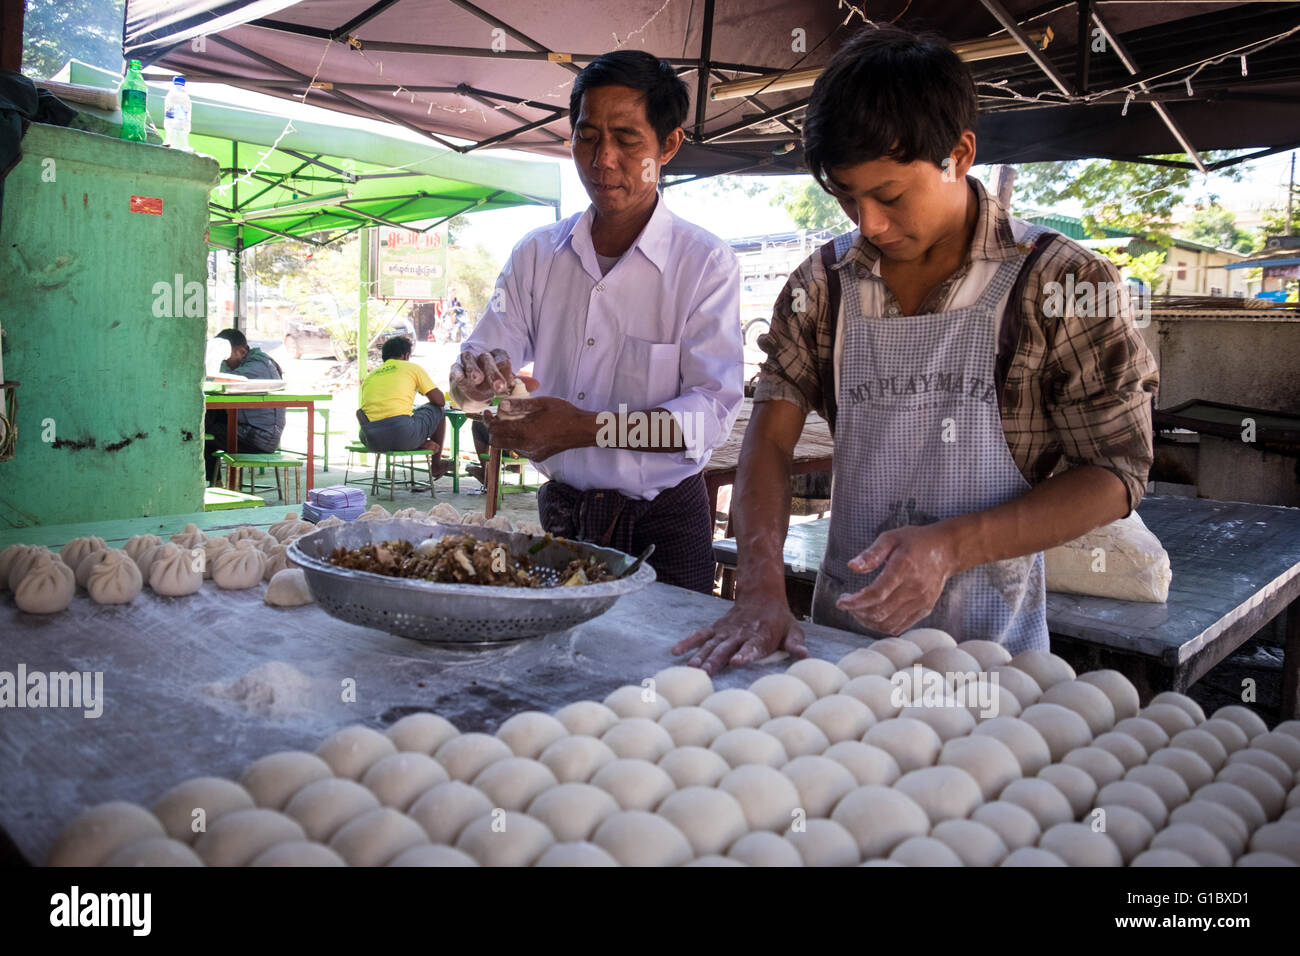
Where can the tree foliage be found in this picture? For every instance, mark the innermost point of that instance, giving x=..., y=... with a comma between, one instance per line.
x=1215, y=226
x=55, y=31
x=811, y=207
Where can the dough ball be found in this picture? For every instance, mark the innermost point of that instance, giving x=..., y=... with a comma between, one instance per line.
x=95, y=834
x=23, y=560
x=841, y=717
x=821, y=783
x=213, y=547
x=1282, y=838
x=860, y=662
x=376, y=837
x=977, y=844
x=444, y=513
x=1189, y=765
x=1046, y=804
x=1183, y=702
x=1129, y=830
x=737, y=708
x=1237, y=799
x=1226, y=732
x=273, y=779
x=745, y=745
x=1227, y=827
x=465, y=755
x=1262, y=859
x=1250, y=723
x=1270, y=763
x=1261, y=786
x=323, y=806
x=421, y=733
x=869, y=765
x=575, y=854
x=824, y=843
x=1137, y=796
x=986, y=698
x=1168, y=785
x=944, y=793
x=1290, y=727
x=1197, y=842
x=1101, y=765
x=710, y=819
x=586, y=717
x=1032, y=856
x=1023, y=687
x=1119, y=690
x=174, y=572
x=946, y=720
x=1013, y=823
x=81, y=572
x=638, y=838
x=399, y=778
x=377, y=513
x=7, y=558
x=572, y=811
x=694, y=767
x=764, y=848
x=692, y=726
x=768, y=798
x=990, y=654
x=877, y=693
x=1079, y=788
x=949, y=661
x=822, y=676
x=1123, y=747
x=638, y=738
x=632, y=700
x=298, y=853
x=928, y=638
x=287, y=588
x=713, y=859
x=1089, y=702
x=635, y=784
x=1283, y=746
x=329, y=522
x=1022, y=739
x=529, y=733
x=47, y=588
x=76, y=549
x=237, y=838
x=880, y=818
x=215, y=796
x=445, y=809
x=512, y=783
x=574, y=759
x=782, y=694
x=988, y=761
x=1172, y=719
x=240, y=569
x=432, y=854
x=683, y=686
x=1204, y=744
x=798, y=735
x=924, y=851
x=1080, y=845
x=1044, y=667
x=291, y=527
x=1163, y=858
x=902, y=653
x=1062, y=728
x=912, y=743
x=137, y=547
x=352, y=751
x=154, y=851
x=115, y=580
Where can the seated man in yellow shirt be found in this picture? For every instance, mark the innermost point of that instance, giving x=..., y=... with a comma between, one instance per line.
x=388, y=422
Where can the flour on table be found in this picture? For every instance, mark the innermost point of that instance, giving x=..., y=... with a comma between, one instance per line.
x=1136, y=566
x=273, y=689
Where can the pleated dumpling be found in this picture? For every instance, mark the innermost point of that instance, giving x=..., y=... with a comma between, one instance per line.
x=445, y=513
x=82, y=570
x=288, y=589
x=374, y=513
x=25, y=560
x=7, y=558
x=191, y=537
x=239, y=568
x=291, y=527
x=176, y=571
x=278, y=560
x=115, y=580
x=211, y=548
x=47, y=587
x=78, y=548
x=138, y=547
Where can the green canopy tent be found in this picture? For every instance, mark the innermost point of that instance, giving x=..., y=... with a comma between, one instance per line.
x=284, y=178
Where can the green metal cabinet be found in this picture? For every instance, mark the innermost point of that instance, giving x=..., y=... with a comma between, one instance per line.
x=100, y=241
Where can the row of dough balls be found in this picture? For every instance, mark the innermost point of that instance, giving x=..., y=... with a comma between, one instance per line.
x=780, y=774
x=442, y=513
x=45, y=582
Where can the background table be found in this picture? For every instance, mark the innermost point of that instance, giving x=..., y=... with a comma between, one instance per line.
x=160, y=727
x=1236, y=567
x=232, y=403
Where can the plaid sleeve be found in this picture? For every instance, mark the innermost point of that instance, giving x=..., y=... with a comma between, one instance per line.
x=1099, y=377
x=792, y=370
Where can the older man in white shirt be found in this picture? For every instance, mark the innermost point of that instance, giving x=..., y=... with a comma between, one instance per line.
x=631, y=319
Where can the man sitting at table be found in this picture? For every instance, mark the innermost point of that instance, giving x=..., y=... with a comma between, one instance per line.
x=258, y=429
x=388, y=422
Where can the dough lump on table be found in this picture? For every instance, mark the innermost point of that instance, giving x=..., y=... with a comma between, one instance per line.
x=821, y=783
x=431, y=854
x=288, y=588
x=840, y=717
x=1062, y=728
x=1103, y=766
x=298, y=853
x=572, y=811
x=154, y=851
x=976, y=843
x=925, y=851
x=75, y=550
x=1251, y=724
x=273, y=779
x=710, y=819
x=944, y=793
x=1047, y=804
x=746, y=745
x=48, y=587
x=575, y=757
x=115, y=580
x=632, y=700
x=238, y=569
x=277, y=559
x=505, y=839
x=211, y=548
x=638, y=838
x=376, y=837
x=215, y=796
x=445, y=809
x=1078, y=844
x=694, y=766
x=575, y=854
x=1168, y=784
x=138, y=546
x=824, y=843
x=401, y=777
x=683, y=686
x=1089, y=702
x=350, y=752
x=1075, y=785
x=1044, y=667
x=988, y=760
x=1021, y=738
x=1013, y=823
x=1172, y=719
x=876, y=692
x=880, y=818
x=737, y=708
x=323, y=806
x=766, y=795
x=822, y=676
x=512, y=783
x=989, y=654
x=638, y=737
x=798, y=735
x=1130, y=831
x=465, y=755
x=174, y=572
x=291, y=527
x=634, y=784
x=444, y=513
x=191, y=537
x=868, y=764
x=692, y=726
x=1195, y=841
x=913, y=743
x=237, y=838
x=24, y=561
x=863, y=661
x=99, y=831
x=527, y=734
x=421, y=732
x=587, y=717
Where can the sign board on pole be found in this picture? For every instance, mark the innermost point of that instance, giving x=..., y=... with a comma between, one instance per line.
x=410, y=264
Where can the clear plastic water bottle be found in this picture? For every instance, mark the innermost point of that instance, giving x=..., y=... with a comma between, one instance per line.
x=134, y=95
x=176, y=115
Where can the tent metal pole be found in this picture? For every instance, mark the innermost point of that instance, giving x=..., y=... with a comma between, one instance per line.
x=1012, y=27
x=239, y=278
x=702, y=85
x=363, y=316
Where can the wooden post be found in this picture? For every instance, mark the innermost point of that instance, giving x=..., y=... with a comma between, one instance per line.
x=492, y=478
x=1004, y=177
x=11, y=34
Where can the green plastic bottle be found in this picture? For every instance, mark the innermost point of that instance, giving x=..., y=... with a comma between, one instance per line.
x=134, y=103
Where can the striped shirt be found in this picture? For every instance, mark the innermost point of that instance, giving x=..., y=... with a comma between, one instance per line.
x=1078, y=390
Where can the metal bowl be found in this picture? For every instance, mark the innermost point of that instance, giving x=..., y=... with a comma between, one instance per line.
x=457, y=614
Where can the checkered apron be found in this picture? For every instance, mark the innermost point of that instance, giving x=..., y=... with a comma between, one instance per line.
x=918, y=439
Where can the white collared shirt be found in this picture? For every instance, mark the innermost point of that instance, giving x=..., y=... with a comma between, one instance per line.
x=660, y=330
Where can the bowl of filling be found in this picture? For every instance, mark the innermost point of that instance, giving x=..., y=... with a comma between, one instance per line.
x=461, y=584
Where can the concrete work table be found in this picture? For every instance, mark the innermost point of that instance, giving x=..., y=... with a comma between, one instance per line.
x=159, y=726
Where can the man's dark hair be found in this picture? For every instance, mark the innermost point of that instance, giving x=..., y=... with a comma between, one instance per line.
x=234, y=337
x=396, y=347
x=888, y=93
x=666, y=99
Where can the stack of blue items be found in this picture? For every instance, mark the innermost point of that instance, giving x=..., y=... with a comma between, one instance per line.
x=339, y=500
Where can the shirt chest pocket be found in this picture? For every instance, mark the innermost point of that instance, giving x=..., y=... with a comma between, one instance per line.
x=647, y=373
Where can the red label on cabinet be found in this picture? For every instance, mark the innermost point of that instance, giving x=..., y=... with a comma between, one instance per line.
x=149, y=204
